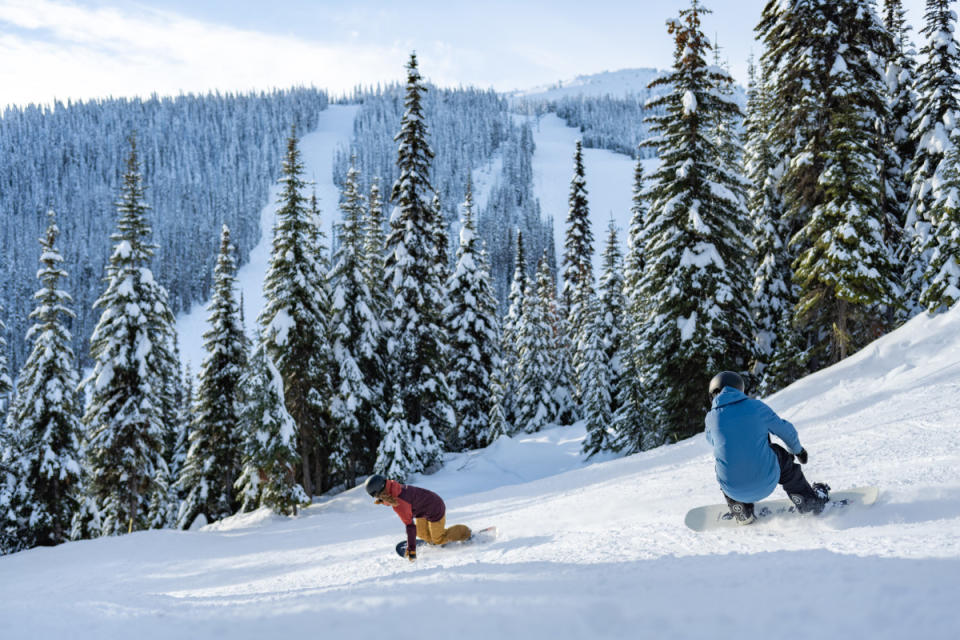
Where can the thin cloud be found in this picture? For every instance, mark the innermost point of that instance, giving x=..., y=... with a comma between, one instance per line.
x=53, y=50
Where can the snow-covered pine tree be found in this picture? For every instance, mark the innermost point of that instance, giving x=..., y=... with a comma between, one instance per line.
x=374, y=246
x=497, y=424
x=845, y=270
x=509, y=337
x=356, y=335
x=399, y=451
x=596, y=384
x=564, y=380
x=417, y=339
x=374, y=243
x=295, y=323
x=942, y=279
x=727, y=125
x=270, y=451
x=899, y=147
x=175, y=413
x=612, y=312
x=45, y=459
x=938, y=108
x=471, y=322
x=132, y=352
x=536, y=344
x=630, y=420
x=824, y=62
x=633, y=261
x=578, y=249
x=177, y=455
x=779, y=358
x=441, y=236
x=215, y=443
x=696, y=282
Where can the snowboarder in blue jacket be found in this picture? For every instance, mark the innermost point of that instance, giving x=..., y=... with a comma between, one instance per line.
x=749, y=465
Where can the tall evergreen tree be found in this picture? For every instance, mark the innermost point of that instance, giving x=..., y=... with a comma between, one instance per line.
x=294, y=323
x=596, y=384
x=934, y=126
x=417, y=340
x=780, y=360
x=471, y=321
x=178, y=449
x=132, y=352
x=270, y=451
x=374, y=244
x=898, y=147
x=824, y=61
x=695, y=280
x=845, y=269
x=509, y=337
x=564, y=380
x=578, y=288
x=356, y=335
x=536, y=364
x=611, y=313
x=215, y=442
x=630, y=419
x=45, y=461
x=633, y=261
x=374, y=247
x=941, y=280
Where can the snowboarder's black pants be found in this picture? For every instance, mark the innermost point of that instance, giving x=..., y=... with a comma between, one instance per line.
x=791, y=478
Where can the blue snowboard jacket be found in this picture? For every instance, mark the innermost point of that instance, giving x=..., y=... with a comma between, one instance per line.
x=737, y=427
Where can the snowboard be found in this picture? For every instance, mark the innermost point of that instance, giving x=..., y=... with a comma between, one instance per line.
x=482, y=535
x=718, y=516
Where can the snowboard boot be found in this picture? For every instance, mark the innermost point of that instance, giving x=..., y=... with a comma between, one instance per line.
x=812, y=501
x=743, y=513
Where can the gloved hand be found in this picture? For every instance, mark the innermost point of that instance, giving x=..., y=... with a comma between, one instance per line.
x=411, y=555
x=802, y=456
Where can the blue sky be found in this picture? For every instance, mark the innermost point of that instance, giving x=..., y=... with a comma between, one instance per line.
x=95, y=48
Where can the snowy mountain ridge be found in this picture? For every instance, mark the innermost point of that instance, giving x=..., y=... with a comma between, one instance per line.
x=617, y=84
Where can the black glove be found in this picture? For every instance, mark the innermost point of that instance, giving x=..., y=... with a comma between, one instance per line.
x=802, y=456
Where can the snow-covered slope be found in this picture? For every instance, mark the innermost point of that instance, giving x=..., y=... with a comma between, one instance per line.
x=609, y=179
x=592, y=549
x=333, y=131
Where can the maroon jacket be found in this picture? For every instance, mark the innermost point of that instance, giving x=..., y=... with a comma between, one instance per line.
x=415, y=503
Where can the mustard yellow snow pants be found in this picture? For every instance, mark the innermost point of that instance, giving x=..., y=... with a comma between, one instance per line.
x=437, y=533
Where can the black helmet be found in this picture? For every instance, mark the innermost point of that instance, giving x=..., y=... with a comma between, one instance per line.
x=375, y=484
x=725, y=379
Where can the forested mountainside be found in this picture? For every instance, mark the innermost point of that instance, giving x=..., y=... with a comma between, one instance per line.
x=610, y=108
x=207, y=160
x=470, y=130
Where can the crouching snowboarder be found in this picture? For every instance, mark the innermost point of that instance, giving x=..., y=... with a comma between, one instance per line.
x=749, y=465
x=413, y=503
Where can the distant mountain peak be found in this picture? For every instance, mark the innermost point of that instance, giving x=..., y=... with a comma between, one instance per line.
x=621, y=83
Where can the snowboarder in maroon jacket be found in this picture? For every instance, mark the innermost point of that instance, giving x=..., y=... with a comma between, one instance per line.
x=413, y=503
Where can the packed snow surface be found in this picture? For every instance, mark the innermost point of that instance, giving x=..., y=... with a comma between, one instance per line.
x=586, y=548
